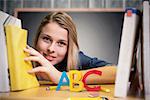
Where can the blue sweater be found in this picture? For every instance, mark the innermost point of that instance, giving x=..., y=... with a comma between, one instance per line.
x=85, y=62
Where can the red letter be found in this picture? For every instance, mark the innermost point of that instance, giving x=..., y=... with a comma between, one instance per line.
x=96, y=88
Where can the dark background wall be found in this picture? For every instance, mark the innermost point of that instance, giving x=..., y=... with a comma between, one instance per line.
x=98, y=32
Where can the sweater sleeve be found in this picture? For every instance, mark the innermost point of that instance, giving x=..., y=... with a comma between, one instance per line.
x=86, y=62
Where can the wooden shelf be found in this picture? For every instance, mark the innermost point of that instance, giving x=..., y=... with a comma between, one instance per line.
x=67, y=10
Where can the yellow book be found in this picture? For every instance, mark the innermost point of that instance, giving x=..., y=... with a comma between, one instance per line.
x=16, y=39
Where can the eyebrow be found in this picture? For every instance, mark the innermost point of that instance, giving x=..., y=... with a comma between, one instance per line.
x=62, y=40
x=43, y=34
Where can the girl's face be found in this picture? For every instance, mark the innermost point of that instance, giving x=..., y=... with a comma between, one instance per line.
x=53, y=42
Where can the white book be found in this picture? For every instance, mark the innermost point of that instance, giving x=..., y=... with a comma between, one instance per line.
x=5, y=19
x=130, y=25
x=146, y=48
x=4, y=80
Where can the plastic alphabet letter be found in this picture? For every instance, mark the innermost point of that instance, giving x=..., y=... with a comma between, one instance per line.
x=75, y=81
x=64, y=75
x=96, y=88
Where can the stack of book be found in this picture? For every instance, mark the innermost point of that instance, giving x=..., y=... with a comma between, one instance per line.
x=133, y=69
x=13, y=68
x=127, y=50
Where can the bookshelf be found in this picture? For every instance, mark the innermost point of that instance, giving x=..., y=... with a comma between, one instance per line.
x=17, y=10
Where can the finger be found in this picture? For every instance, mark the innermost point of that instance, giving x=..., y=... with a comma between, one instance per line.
x=37, y=59
x=28, y=47
x=37, y=70
x=26, y=50
x=32, y=58
x=31, y=51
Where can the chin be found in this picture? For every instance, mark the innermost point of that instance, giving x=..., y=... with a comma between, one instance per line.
x=53, y=63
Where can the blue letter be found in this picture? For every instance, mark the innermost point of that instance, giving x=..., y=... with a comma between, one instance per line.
x=64, y=75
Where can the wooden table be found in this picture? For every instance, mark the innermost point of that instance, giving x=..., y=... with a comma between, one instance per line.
x=40, y=93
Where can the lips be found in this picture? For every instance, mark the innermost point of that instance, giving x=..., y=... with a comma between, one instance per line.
x=49, y=57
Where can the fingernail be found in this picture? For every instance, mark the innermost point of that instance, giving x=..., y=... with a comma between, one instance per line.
x=29, y=71
x=25, y=59
x=28, y=46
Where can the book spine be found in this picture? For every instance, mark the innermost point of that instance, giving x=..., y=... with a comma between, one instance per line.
x=146, y=48
x=130, y=25
x=4, y=76
x=10, y=56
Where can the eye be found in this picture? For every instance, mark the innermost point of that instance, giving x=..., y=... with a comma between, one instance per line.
x=46, y=39
x=61, y=44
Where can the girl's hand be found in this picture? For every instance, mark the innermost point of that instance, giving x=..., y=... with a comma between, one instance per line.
x=36, y=57
x=46, y=70
x=43, y=70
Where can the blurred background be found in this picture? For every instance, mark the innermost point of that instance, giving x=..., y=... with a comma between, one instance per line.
x=99, y=30
x=9, y=5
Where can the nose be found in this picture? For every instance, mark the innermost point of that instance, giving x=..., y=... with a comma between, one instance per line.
x=51, y=48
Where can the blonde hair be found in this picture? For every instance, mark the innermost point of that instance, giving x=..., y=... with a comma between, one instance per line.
x=65, y=21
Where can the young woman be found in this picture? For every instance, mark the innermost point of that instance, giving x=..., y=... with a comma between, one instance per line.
x=57, y=50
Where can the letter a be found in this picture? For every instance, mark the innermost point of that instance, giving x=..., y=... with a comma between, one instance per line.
x=61, y=82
